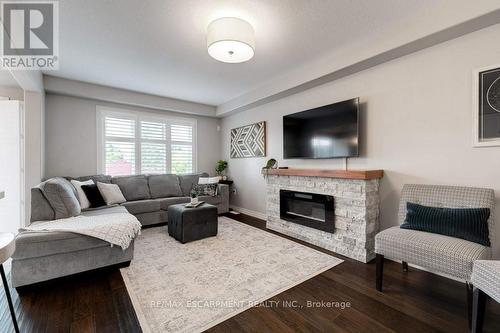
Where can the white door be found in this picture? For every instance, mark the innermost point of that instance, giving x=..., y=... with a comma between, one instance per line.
x=11, y=166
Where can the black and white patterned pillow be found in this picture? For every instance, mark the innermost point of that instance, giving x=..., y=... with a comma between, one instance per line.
x=205, y=189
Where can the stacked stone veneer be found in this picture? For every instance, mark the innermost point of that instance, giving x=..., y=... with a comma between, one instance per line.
x=356, y=213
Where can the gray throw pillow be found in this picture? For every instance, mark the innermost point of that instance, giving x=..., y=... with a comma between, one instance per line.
x=61, y=196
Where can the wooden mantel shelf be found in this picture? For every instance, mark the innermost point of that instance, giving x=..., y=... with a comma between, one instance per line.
x=345, y=174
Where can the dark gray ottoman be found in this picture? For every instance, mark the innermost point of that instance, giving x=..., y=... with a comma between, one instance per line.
x=190, y=224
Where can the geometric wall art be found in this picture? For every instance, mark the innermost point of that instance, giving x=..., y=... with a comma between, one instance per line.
x=486, y=108
x=249, y=141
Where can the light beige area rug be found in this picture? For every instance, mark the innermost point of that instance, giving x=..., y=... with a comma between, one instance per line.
x=191, y=287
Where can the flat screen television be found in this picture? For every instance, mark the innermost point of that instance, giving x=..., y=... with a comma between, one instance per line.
x=329, y=131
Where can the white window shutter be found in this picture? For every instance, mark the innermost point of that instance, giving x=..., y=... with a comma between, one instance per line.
x=153, y=147
x=119, y=146
x=181, y=148
x=133, y=142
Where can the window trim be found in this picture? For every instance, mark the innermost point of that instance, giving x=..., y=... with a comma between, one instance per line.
x=103, y=111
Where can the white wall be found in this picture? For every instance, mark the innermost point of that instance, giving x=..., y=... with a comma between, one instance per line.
x=34, y=144
x=10, y=165
x=416, y=124
x=12, y=93
x=71, y=147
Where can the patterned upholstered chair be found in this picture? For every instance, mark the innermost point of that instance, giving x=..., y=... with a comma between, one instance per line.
x=486, y=281
x=449, y=255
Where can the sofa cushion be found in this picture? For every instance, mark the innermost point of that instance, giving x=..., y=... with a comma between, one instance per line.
x=61, y=196
x=104, y=210
x=41, y=210
x=96, y=178
x=142, y=206
x=188, y=181
x=449, y=255
x=210, y=199
x=40, y=244
x=166, y=202
x=133, y=187
x=163, y=186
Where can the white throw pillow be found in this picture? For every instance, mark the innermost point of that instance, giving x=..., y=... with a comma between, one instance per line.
x=111, y=193
x=208, y=180
x=82, y=198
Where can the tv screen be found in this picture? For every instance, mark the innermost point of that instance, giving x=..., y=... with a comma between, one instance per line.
x=326, y=132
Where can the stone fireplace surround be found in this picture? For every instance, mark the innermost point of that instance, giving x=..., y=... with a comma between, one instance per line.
x=356, y=207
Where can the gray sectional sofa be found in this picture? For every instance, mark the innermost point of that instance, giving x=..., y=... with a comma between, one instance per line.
x=44, y=256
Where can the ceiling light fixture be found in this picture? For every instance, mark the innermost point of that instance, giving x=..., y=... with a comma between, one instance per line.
x=230, y=39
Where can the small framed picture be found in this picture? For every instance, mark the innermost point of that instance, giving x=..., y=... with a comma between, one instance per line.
x=486, y=106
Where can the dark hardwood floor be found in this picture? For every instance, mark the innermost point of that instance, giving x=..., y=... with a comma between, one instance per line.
x=416, y=301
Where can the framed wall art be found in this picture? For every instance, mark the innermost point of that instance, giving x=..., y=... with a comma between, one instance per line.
x=486, y=107
x=249, y=141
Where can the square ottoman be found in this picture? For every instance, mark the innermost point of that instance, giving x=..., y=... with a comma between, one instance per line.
x=190, y=224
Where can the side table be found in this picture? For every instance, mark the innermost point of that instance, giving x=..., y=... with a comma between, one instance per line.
x=7, y=247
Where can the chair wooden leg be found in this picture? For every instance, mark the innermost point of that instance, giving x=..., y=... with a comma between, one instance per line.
x=478, y=308
x=405, y=266
x=469, y=288
x=380, y=271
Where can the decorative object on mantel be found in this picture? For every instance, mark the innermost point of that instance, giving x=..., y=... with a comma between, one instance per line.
x=249, y=141
x=271, y=164
x=486, y=107
x=221, y=168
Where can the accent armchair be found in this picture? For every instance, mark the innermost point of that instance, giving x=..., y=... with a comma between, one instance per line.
x=486, y=280
x=438, y=253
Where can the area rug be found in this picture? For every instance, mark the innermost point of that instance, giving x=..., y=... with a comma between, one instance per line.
x=191, y=287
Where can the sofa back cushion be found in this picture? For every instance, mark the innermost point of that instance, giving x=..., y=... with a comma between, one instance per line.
x=61, y=196
x=133, y=187
x=96, y=178
x=164, y=186
x=188, y=181
x=41, y=210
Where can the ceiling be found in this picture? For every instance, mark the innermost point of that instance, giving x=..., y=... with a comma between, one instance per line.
x=159, y=47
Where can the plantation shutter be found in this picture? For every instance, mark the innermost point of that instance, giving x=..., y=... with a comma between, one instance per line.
x=119, y=146
x=135, y=143
x=153, y=147
x=181, y=148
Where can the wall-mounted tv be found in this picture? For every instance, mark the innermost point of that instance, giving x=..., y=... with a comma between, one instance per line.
x=329, y=131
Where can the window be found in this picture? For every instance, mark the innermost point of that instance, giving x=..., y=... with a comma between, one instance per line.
x=133, y=143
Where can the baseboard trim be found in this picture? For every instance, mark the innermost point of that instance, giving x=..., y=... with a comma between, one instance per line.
x=252, y=213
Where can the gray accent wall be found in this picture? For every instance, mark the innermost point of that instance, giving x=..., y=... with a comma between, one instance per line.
x=71, y=137
x=416, y=124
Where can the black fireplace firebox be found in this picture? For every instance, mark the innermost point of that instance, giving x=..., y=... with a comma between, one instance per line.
x=308, y=209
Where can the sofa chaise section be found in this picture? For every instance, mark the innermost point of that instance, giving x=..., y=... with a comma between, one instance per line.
x=42, y=256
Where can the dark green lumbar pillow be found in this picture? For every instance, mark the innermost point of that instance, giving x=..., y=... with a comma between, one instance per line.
x=466, y=223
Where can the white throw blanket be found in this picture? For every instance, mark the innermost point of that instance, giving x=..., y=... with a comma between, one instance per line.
x=118, y=229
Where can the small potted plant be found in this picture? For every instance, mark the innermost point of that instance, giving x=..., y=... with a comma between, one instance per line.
x=220, y=169
x=271, y=164
x=194, y=197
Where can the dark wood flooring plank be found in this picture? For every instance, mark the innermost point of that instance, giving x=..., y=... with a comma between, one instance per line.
x=416, y=301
